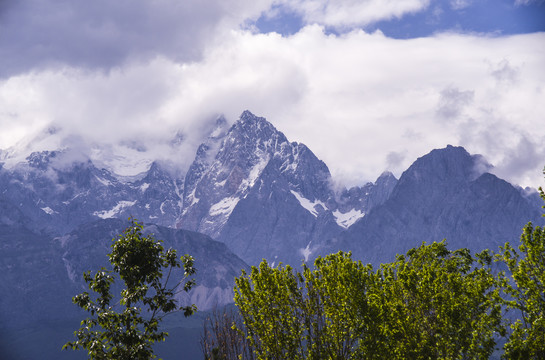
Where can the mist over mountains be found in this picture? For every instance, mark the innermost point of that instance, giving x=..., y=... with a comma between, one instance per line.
x=248, y=194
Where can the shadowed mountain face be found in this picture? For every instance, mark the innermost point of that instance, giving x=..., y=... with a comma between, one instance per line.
x=41, y=273
x=248, y=187
x=249, y=194
x=266, y=197
x=444, y=194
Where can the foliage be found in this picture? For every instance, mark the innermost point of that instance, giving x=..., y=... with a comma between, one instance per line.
x=431, y=303
x=269, y=301
x=308, y=315
x=439, y=304
x=130, y=332
x=527, y=291
x=340, y=314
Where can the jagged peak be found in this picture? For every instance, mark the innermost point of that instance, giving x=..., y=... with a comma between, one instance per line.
x=248, y=116
x=255, y=125
x=385, y=176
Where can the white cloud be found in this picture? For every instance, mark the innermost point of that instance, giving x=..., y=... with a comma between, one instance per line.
x=460, y=4
x=349, y=13
x=104, y=34
x=362, y=102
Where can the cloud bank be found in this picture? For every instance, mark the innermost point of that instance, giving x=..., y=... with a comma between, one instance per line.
x=363, y=102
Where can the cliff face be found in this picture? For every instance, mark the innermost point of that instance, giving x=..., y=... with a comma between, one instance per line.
x=249, y=194
x=444, y=194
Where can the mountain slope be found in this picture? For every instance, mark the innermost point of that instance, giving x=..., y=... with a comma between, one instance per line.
x=444, y=194
x=266, y=197
x=41, y=274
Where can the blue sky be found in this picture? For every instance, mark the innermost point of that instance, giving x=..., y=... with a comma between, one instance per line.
x=500, y=17
x=368, y=85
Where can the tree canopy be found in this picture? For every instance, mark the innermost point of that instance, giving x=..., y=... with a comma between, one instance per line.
x=526, y=290
x=126, y=329
x=429, y=303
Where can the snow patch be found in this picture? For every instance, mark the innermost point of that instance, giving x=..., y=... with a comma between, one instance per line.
x=349, y=218
x=310, y=206
x=121, y=160
x=207, y=298
x=103, y=181
x=48, y=210
x=193, y=197
x=144, y=187
x=224, y=207
x=254, y=174
x=107, y=214
x=217, y=132
x=70, y=270
x=306, y=251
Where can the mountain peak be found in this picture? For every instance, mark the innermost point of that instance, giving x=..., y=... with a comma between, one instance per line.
x=386, y=176
x=247, y=116
x=453, y=163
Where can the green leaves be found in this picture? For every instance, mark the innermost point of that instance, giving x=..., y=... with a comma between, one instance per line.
x=268, y=301
x=440, y=304
x=526, y=292
x=429, y=303
x=128, y=329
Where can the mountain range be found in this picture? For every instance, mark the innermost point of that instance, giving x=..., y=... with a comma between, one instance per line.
x=249, y=194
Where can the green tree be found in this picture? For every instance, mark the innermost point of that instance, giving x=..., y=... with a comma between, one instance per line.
x=341, y=317
x=439, y=304
x=431, y=303
x=526, y=289
x=324, y=312
x=127, y=329
x=270, y=303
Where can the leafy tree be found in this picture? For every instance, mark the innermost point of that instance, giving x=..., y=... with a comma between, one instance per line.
x=342, y=320
x=429, y=303
x=269, y=301
x=439, y=304
x=321, y=313
x=129, y=333
x=527, y=291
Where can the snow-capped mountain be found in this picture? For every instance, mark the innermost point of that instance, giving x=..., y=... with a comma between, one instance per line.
x=254, y=190
x=267, y=197
x=58, y=197
x=446, y=194
x=248, y=193
x=248, y=186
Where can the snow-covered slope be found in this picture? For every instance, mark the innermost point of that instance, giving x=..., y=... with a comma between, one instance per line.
x=242, y=176
x=250, y=175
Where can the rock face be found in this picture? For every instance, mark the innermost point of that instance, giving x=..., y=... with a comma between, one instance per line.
x=266, y=197
x=444, y=194
x=249, y=194
x=248, y=187
x=87, y=248
x=42, y=273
